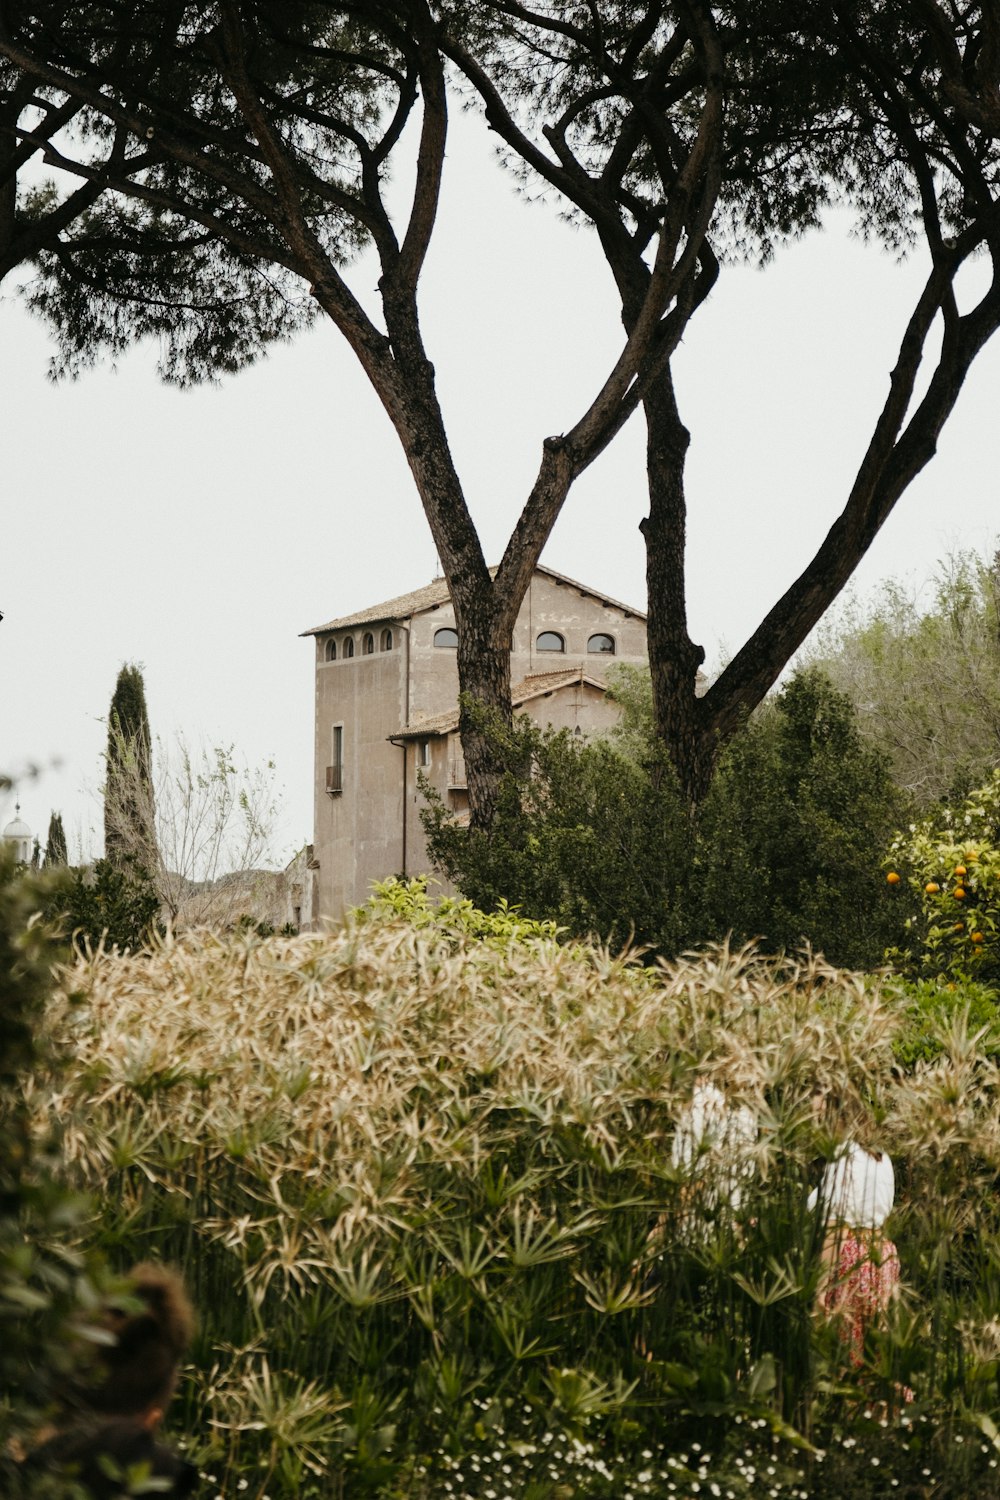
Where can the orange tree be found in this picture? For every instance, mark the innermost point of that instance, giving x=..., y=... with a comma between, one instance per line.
x=948, y=866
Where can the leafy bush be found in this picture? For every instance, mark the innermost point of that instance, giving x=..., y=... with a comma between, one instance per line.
x=945, y=873
x=43, y=1282
x=407, y=900
x=786, y=836
x=583, y=837
x=598, y=838
x=932, y=1011
x=421, y=1187
x=100, y=903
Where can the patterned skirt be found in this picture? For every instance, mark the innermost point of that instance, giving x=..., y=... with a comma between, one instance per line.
x=863, y=1278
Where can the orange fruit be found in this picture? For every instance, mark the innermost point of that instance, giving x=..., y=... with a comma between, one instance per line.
x=961, y=870
x=958, y=927
x=892, y=878
x=977, y=937
x=932, y=887
x=958, y=893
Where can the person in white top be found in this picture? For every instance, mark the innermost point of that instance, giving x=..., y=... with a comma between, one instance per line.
x=859, y=1188
x=855, y=1199
x=714, y=1141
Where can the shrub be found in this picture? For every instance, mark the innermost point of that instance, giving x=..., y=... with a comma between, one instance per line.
x=798, y=804
x=583, y=837
x=421, y=1187
x=945, y=873
x=407, y=900
x=43, y=1281
x=932, y=1011
x=598, y=838
x=102, y=904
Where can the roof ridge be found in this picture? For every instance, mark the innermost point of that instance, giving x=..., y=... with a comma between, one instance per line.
x=446, y=721
x=437, y=592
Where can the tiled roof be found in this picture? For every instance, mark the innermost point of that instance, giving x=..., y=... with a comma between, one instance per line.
x=393, y=609
x=438, y=592
x=535, y=686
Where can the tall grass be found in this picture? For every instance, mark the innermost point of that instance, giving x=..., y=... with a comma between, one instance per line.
x=421, y=1189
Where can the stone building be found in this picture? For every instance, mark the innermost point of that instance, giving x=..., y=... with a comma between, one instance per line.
x=387, y=709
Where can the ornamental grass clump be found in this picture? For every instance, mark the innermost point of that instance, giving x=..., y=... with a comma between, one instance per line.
x=425, y=1193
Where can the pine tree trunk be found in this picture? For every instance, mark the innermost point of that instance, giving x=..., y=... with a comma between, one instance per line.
x=674, y=658
x=483, y=621
x=484, y=646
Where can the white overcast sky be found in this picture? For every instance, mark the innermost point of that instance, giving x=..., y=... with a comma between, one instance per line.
x=198, y=532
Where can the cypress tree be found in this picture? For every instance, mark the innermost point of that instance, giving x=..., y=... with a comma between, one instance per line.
x=129, y=837
x=55, y=844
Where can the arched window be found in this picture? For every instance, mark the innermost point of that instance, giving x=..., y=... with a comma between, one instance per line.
x=550, y=640
x=331, y=649
x=446, y=638
x=348, y=645
x=367, y=643
x=602, y=645
x=385, y=640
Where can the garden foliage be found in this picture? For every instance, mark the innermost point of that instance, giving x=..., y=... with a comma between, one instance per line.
x=783, y=850
x=102, y=903
x=421, y=1188
x=44, y=1279
x=925, y=677
x=945, y=873
x=931, y=1011
x=458, y=917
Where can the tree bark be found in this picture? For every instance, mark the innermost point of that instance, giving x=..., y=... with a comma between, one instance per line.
x=484, y=648
x=674, y=658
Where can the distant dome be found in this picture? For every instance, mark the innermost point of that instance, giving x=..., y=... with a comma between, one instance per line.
x=19, y=834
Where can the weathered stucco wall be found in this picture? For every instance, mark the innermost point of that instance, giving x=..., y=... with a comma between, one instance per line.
x=551, y=605
x=358, y=831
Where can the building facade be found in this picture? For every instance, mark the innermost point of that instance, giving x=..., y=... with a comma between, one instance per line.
x=387, y=710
